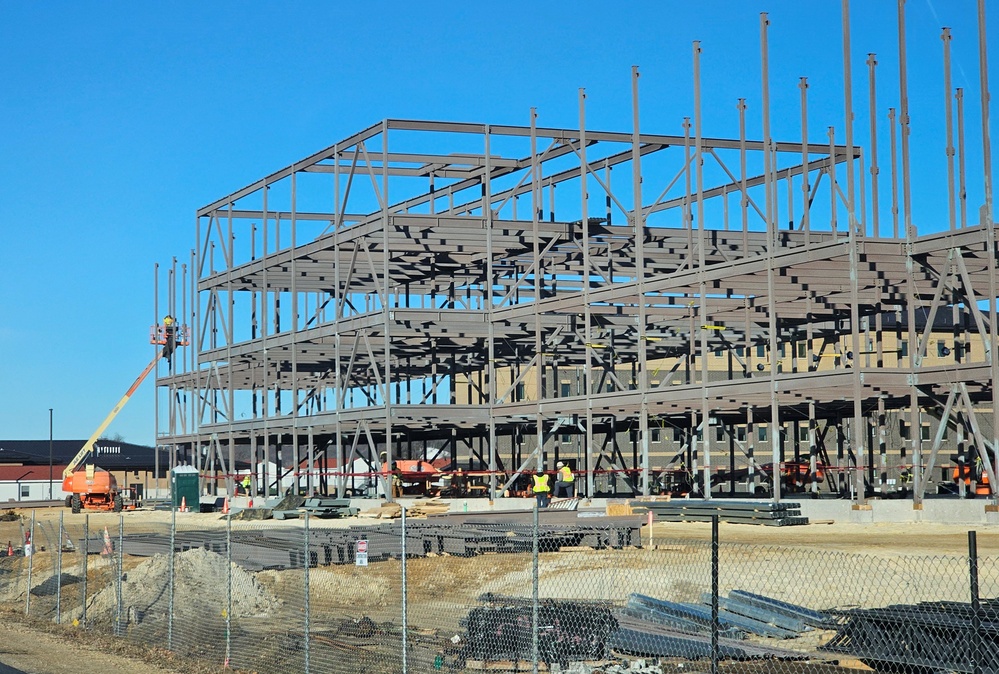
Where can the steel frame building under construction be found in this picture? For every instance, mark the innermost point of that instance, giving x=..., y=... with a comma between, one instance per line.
x=507, y=296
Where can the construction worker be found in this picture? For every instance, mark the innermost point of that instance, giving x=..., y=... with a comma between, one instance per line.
x=246, y=485
x=565, y=482
x=542, y=492
x=396, y=481
x=170, y=337
x=982, y=478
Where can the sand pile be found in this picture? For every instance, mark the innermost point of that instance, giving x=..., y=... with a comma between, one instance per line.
x=200, y=587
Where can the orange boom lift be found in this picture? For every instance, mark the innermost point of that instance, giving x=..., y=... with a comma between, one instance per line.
x=91, y=487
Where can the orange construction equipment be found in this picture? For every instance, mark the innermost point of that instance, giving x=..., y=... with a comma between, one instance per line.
x=92, y=488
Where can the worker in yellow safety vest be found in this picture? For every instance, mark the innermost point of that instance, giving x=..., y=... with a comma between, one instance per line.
x=566, y=482
x=541, y=489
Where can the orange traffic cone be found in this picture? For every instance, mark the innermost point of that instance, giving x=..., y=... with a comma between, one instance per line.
x=108, y=548
x=183, y=504
x=225, y=506
x=251, y=502
x=10, y=549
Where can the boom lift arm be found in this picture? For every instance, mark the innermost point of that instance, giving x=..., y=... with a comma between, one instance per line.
x=169, y=338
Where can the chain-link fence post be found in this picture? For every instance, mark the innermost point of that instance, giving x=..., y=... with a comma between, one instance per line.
x=308, y=616
x=58, y=615
x=405, y=608
x=170, y=579
x=29, y=551
x=228, y=590
x=534, y=589
x=119, y=568
x=976, y=616
x=86, y=555
x=714, y=594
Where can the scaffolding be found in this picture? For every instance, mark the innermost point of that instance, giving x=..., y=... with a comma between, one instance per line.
x=721, y=307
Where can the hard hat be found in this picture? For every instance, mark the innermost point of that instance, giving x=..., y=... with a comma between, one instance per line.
x=559, y=464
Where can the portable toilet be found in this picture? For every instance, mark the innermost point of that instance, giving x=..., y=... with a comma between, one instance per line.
x=184, y=488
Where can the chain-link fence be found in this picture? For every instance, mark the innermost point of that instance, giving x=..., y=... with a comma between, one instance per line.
x=527, y=591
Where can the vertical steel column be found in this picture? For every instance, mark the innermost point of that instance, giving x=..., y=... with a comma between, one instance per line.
x=585, y=279
x=872, y=62
x=983, y=74
x=813, y=458
x=858, y=430
x=743, y=189
x=988, y=221
x=386, y=308
x=310, y=484
x=339, y=390
x=894, y=172
x=293, y=337
x=639, y=222
x=193, y=356
x=883, y=444
x=229, y=462
x=487, y=297
x=915, y=436
x=189, y=414
x=769, y=168
x=701, y=264
x=261, y=480
x=948, y=116
x=539, y=357
x=806, y=225
x=961, y=182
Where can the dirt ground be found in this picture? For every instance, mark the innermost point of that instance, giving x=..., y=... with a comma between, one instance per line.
x=38, y=647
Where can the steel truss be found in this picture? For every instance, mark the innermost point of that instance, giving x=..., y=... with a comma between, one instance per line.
x=415, y=291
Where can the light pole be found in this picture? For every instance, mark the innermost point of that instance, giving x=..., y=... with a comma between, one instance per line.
x=50, y=453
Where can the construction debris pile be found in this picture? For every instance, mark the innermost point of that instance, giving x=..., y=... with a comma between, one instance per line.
x=734, y=510
x=201, y=583
x=930, y=636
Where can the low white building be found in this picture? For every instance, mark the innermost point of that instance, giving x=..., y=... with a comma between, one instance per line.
x=29, y=483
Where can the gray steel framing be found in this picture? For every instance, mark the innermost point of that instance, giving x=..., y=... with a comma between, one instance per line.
x=390, y=297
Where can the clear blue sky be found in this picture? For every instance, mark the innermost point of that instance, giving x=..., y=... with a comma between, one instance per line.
x=119, y=119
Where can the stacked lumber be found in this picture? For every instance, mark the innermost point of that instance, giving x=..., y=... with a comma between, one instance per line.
x=423, y=508
x=385, y=511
